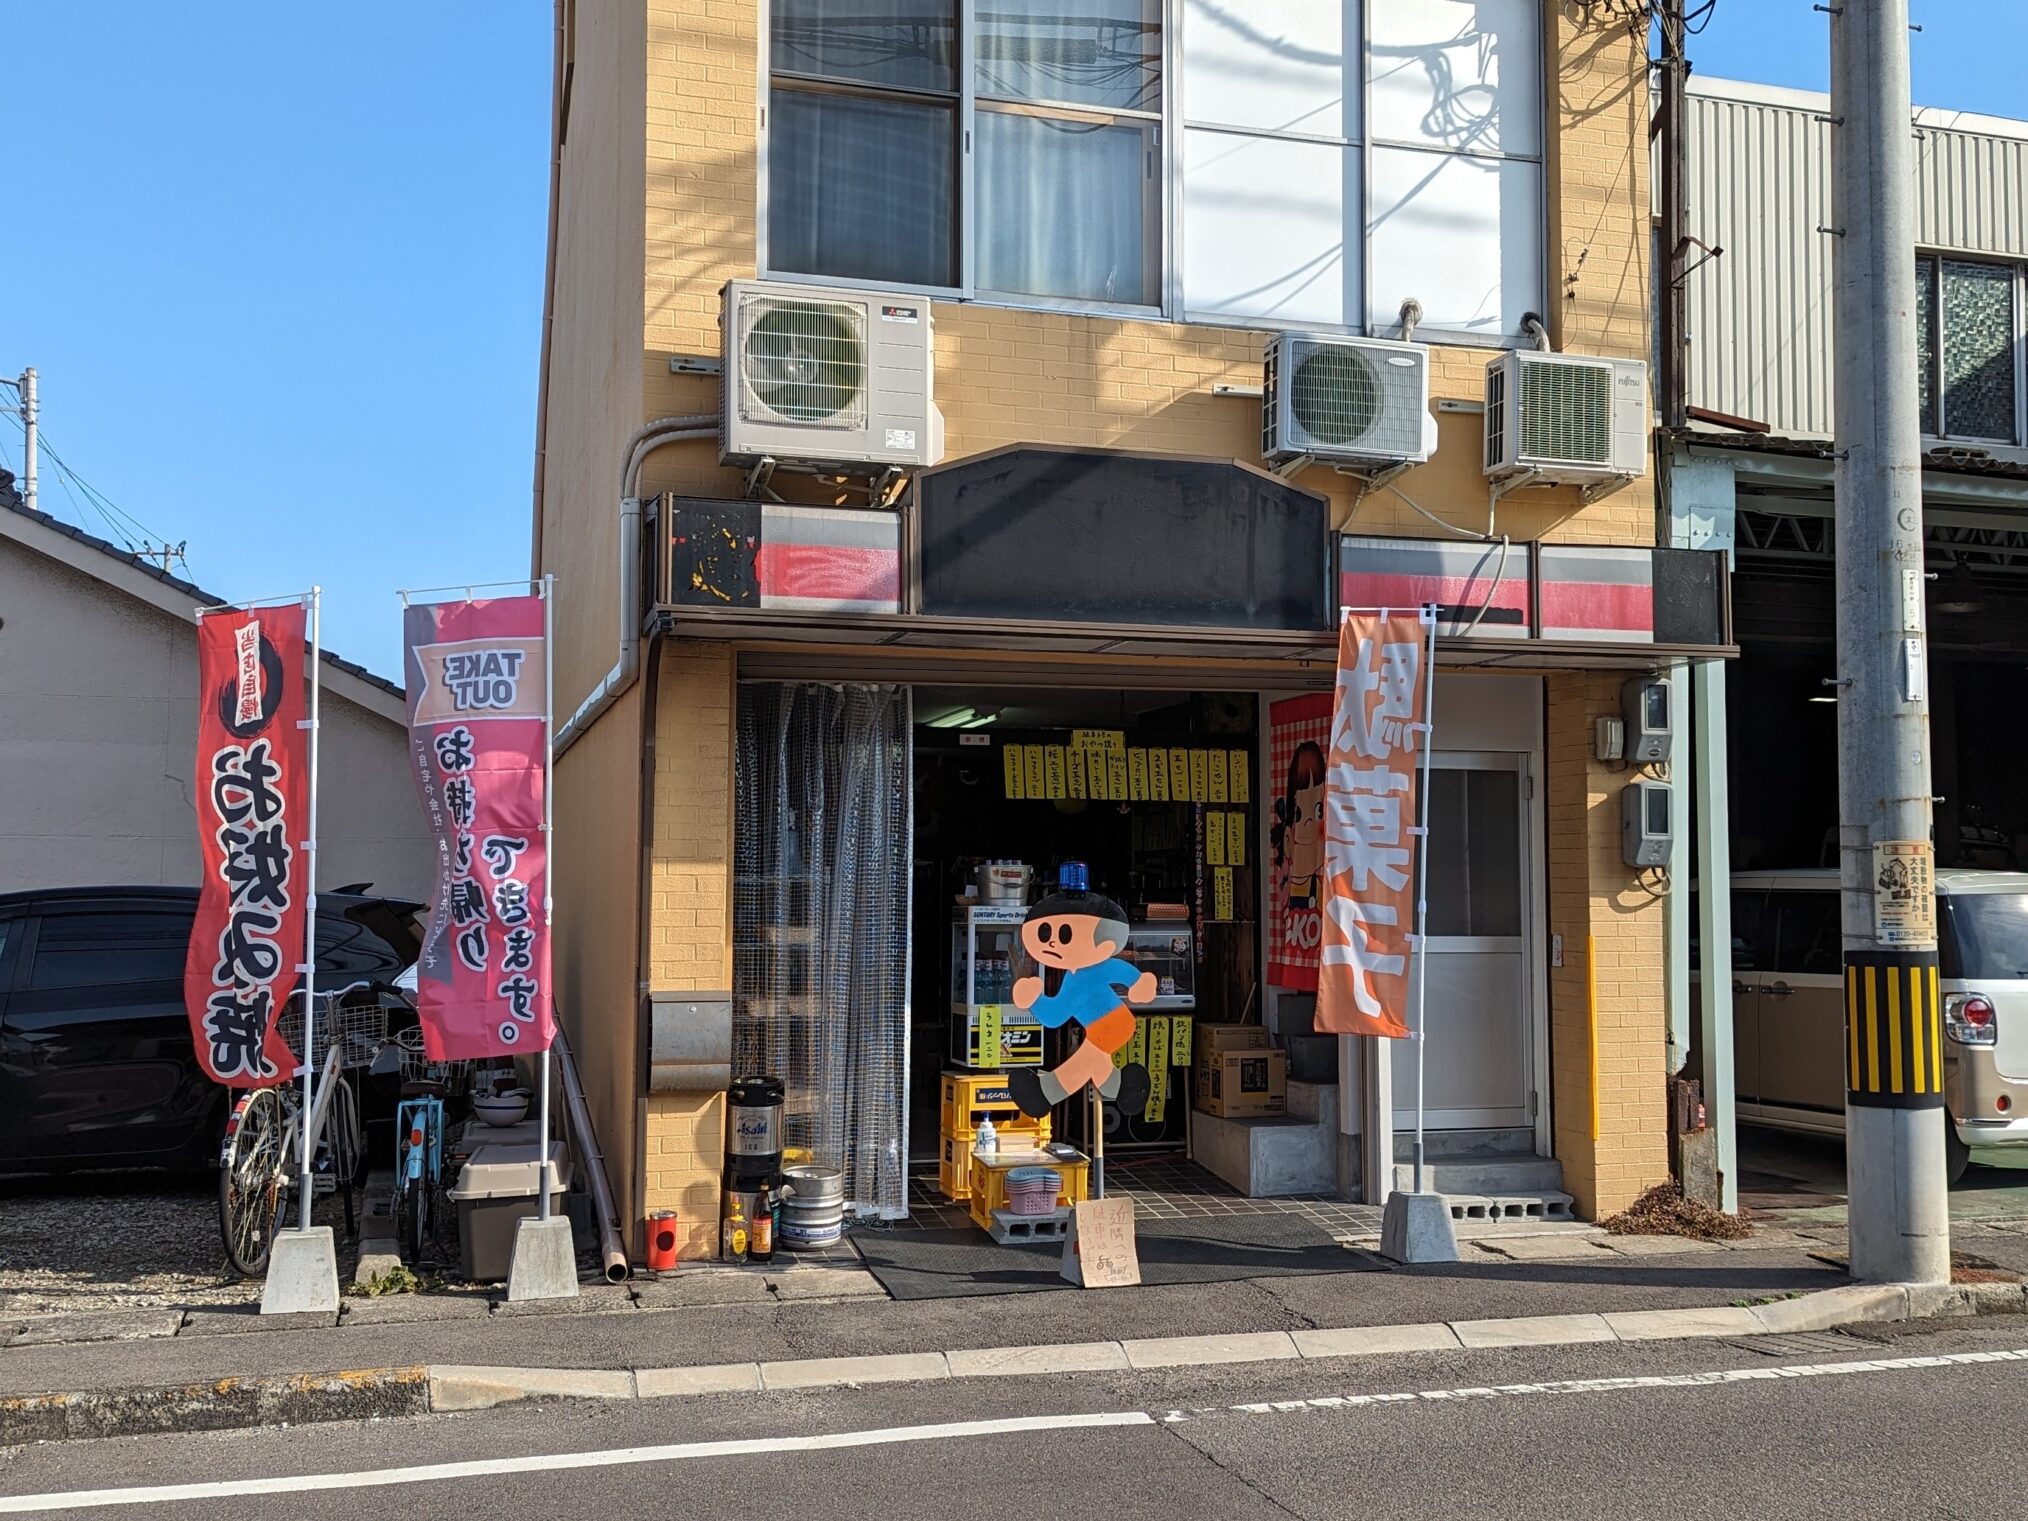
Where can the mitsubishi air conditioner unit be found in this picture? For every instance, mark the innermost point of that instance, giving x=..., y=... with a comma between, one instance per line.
x=827, y=378
x=1358, y=400
x=1565, y=419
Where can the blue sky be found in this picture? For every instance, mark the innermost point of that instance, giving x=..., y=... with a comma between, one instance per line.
x=280, y=267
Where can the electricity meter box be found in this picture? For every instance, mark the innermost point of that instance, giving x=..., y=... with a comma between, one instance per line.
x=1647, y=708
x=1647, y=823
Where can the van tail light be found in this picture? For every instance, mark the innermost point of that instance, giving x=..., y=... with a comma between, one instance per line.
x=1970, y=1019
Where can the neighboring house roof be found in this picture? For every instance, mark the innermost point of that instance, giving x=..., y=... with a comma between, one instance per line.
x=151, y=583
x=1940, y=459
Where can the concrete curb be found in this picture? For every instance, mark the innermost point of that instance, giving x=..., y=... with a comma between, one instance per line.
x=366, y=1393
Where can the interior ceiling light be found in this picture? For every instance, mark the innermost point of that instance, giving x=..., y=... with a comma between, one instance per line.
x=980, y=718
x=955, y=718
x=1959, y=591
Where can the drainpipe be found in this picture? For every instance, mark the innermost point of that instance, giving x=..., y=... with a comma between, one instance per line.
x=664, y=430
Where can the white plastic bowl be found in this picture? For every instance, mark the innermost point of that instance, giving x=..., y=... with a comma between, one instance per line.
x=502, y=1109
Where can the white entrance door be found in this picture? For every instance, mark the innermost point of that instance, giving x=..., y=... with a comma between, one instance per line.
x=1481, y=1007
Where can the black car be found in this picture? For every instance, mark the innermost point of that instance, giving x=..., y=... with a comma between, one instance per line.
x=96, y=1064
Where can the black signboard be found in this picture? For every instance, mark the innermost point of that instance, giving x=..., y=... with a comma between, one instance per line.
x=1071, y=536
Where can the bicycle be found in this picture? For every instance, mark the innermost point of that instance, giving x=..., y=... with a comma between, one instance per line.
x=260, y=1159
x=418, y=1170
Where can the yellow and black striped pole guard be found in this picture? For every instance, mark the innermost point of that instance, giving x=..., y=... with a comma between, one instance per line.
x=1893, y=1030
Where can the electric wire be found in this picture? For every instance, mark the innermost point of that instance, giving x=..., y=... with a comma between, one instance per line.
x=88, y=502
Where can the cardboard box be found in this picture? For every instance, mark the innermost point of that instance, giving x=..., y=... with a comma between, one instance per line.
x=1219, y=1039
x=1243, y=1084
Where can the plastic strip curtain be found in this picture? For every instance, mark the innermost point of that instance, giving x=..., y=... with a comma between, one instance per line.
x=822, y=841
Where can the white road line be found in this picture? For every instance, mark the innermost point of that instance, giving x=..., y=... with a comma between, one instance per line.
x=165, y=1494
x=1619, y=1385
x=424, y=1473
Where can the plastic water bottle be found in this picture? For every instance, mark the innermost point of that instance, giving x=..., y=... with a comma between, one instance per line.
x=988, y=1142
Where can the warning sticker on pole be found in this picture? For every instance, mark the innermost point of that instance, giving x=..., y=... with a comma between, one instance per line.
x=1904, y=893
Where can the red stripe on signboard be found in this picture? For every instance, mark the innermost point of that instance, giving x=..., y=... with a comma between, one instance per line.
x=828, y=573
x=1570, y=605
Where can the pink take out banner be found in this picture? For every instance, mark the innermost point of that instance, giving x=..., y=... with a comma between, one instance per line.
x=478, y=726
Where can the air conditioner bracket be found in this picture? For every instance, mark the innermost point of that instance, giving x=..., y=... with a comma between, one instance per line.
x=1605, y=488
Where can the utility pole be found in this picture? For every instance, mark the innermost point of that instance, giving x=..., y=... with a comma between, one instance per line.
x=1894, y=1136
x=29, y=414
x=1675, y=306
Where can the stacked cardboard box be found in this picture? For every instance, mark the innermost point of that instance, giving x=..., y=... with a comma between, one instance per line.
x=1238, y=1075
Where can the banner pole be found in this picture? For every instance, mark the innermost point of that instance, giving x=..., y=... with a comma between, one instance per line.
x=548, y=866
x=316, y=600
x=1422, y=879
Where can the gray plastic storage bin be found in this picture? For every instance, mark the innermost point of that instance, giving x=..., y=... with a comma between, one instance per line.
x=494, y=1193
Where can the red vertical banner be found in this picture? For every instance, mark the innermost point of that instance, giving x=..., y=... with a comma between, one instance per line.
x=1371, y=784
x=1299, y=736
x=251, y=797
x=478, y=723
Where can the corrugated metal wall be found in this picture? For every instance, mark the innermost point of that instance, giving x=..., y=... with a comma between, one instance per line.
x=1759, y=186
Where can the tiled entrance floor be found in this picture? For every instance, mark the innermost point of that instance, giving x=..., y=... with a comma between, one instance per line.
x=1163, y=1189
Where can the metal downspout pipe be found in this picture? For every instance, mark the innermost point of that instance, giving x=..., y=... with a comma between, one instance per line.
x=627, y=667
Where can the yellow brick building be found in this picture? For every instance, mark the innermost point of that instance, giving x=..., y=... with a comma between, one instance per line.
x=1488, y=160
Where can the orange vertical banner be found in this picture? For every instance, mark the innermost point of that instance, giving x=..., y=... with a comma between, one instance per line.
x=1371, y=784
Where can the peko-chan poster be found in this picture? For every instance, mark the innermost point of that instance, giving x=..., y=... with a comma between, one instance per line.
x=247, y=940
x=1299, y=730
x=478, y=741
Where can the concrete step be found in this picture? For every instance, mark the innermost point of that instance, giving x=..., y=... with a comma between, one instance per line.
x=1485, y=1175
x=1268, y=1158
x=1460, y=1144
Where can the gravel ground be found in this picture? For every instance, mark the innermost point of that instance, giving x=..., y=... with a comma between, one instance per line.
x=115, y=1241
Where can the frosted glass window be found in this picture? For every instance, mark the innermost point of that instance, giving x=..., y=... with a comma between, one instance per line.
x=1288, y=67
x=1067, y=208
x=1461, y=75
x=1461, y=235
x=1104, y=53
x=1264, y=229
x=910, y=44
x=1978, y=350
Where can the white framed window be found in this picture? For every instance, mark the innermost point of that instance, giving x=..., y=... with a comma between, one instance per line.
x=1305, y=164
x=1971, y=350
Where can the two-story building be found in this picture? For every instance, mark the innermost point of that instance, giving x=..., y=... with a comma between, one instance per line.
x=961, y=429
x=1751, y=473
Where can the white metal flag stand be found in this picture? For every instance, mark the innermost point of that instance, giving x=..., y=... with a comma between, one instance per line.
x=544, y=1264
x=303, y=1265
x=1417, y=1227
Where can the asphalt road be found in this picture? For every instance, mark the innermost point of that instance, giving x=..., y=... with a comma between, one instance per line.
x=1729, y=1435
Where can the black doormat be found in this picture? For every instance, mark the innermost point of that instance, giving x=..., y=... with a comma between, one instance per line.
x=951, y=1264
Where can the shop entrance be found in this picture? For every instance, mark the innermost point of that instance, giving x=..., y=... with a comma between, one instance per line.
x=1481, y=1068
x=1153, y=792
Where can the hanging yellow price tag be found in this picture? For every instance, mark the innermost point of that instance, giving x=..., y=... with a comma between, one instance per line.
x=1235, y=839
x=1010, y=757
x=1200, y=777
x=1053, y=781
x=1179, y=775
x=1180, y=1031
x=1221, y=892
x=1158, y=774
x=1236, y=764
x=1215, y=761
x=1214, y=839
x=989, y=1034
x=1137, y=776
x=1074, y=764
x=1031, y=770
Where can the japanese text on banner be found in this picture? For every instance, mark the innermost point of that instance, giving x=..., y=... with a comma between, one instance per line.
x=1378, y=730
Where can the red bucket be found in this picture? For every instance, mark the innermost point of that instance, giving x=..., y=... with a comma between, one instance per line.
x=662, y=1239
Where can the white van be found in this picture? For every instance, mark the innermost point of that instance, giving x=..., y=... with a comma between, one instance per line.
x=1788, y=1004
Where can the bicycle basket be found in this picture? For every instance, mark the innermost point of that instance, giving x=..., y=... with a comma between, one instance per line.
x=359, y=1028
x=455, y=1076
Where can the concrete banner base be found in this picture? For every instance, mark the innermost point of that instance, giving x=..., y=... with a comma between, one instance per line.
x=545, y=1260
x=1417, y=1228
x=302, y=1273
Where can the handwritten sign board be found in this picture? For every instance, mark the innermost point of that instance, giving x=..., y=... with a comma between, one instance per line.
x=1099, y=1251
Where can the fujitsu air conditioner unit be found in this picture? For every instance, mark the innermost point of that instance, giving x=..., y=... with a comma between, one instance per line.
x=1565, y=419
x=1359, y=400
x=827, y=378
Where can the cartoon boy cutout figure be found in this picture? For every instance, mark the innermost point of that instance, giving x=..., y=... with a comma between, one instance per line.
x=1075, y=937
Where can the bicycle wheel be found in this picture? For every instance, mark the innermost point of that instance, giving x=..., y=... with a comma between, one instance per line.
x=413, y=1219
x=343, y=1142
x=252, y=1179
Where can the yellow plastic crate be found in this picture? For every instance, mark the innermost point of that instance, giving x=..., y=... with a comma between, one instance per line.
x=968, y=1097
x=989, y=1180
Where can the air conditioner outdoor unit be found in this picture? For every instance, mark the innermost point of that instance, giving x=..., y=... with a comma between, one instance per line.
x=827, y=378
x=1362, y=400
x=1565, y=419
